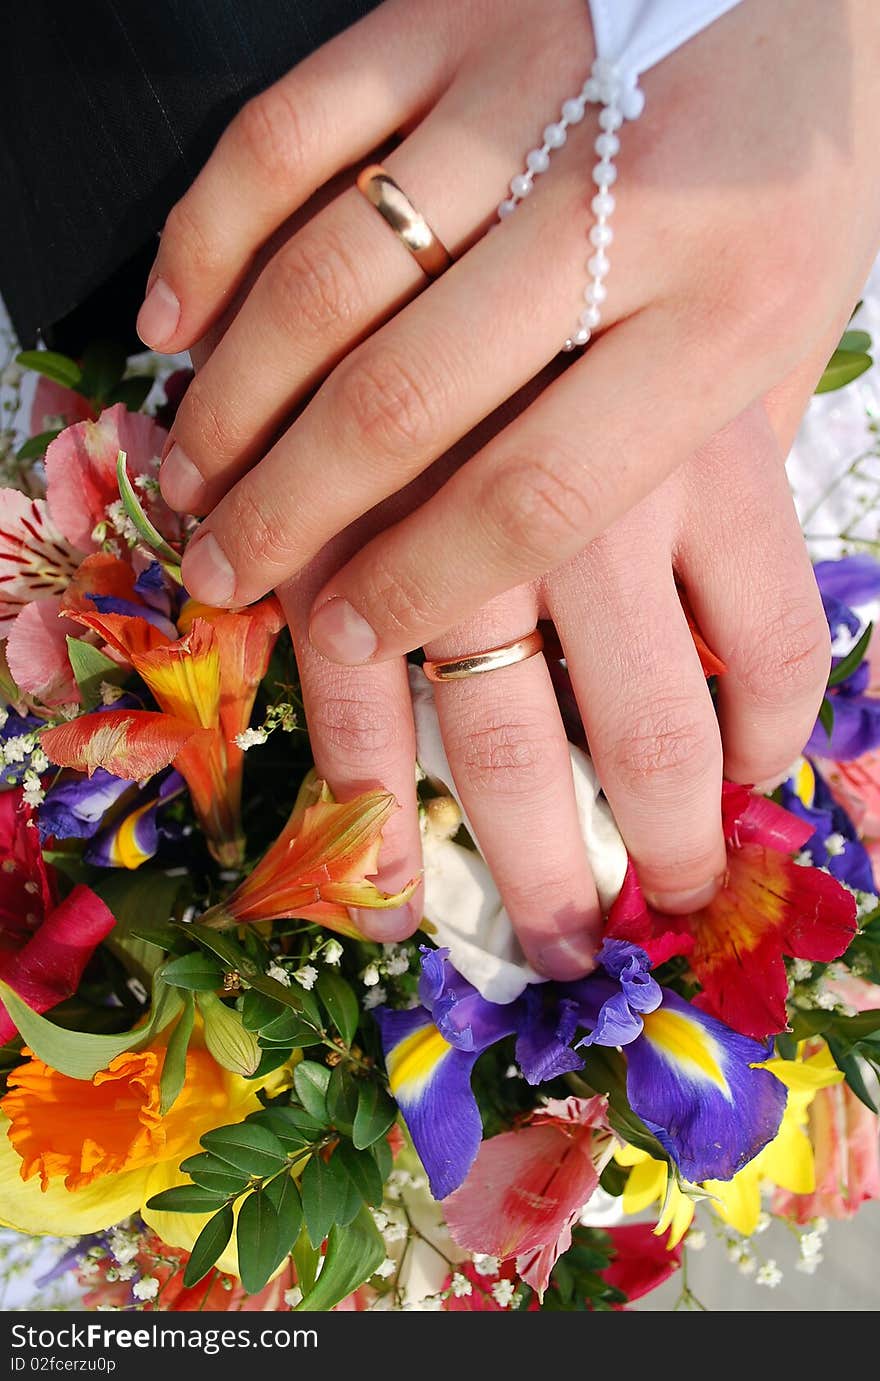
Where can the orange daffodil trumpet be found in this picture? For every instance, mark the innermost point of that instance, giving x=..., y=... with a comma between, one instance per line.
x=205, y=683
x=318, y=866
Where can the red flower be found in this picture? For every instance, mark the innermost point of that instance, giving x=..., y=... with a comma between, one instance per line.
x=44, y=944
x=641, y=1261
x=767, y=907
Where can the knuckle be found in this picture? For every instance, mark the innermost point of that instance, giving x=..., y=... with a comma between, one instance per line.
x=506, y=755
x=313, y=283
x=205, y=426
x=661, y=743
x=362, y=729
x=539, y=506
x=394, y=405
x=403, y=601
x=791, y=659
x=261, y=538
x=272, y=128
x=185, y=235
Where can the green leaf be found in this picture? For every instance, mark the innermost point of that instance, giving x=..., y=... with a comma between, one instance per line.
x=362, y=1170
x=339, y=999
x=37, y=446
x=231, y=1045
x=289, y=1030
x=350, y=1204
x=857, y=1027
x=826, y=716
x=90, y=667
x=195, y=970
x=376, y=1114
x=342, y=1099
x=351, y=1258
x=293, y=1127
x=324, y=1190
x=79, y=1054
x=139, y=898
x=131, y=393
x=305, y=1259
x=310, y=1081
x=842, y=368
x=234, y=957
x=857, y=341
x=174, y=1065
x=381, y=1153
x=852, y=660
x=256, y=1236
x=247, y=1147
x=258, y=1011
x=284, y=1196
x=848, y=1063
x=61, y=369
x=186, y=1198
x=134, y=510
x=210, y=1243
x=211, y=1173
x=103, y=366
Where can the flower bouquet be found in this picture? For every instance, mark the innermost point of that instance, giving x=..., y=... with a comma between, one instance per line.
x=219, y=1095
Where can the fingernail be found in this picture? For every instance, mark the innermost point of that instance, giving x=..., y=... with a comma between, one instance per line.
x=394, y=924
x=207, y=574
x=180, y=481
x=159, y=315
x=569, y=956
x=339, y=633
x=680, y=903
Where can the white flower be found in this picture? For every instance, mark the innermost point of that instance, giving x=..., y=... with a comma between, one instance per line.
x=370, y=976
x=307, y=976
x=747, y=1265
x=374, y=998
x=835, y=845
x=485, y=1265
x=503, y=1292
x=385, y=1268
x=380, y=1218
x=696, y=1240
x=123, y=1246
x=110, y=693
x=293, y=1296
x=396, y=964
x=811, y=1245
x=801, y=970
x=279, y=974
x=395, y=1232
x=763, y=1223
x=810, y=1266
x=34, y=795
x=333, y=952
x=145, y=1288
x=17, y=748
x=461, y=1286
x=769, y=1275
x=250, y=738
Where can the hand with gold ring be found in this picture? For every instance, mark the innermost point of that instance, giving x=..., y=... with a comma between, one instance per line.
x=715, y=300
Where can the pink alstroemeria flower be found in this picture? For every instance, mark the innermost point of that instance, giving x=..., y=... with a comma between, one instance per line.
x=45, y=943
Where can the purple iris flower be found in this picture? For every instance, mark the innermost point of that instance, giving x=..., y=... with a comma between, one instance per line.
x=692, y=1081
x=75, y=806
x=852, y=581
x=849, y=863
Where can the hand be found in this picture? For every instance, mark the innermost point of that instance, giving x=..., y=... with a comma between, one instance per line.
x=740, y=247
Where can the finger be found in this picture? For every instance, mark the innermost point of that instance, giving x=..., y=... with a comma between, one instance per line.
x=648, y=714
x=749, y=579
x=395, y=404
x=598, y=439
x=510, y=761
x=330, y=110
x=362, y=737
x=329, y=285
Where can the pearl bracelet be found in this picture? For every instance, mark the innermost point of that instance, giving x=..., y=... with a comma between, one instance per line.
x=621, y=99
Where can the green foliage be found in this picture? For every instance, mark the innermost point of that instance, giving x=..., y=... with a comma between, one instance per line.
x=575, y=1282
x=853, y=659
x=174, y=1066
x=61, y=369
x=850, y=359
x=342, y=1006
x=146, y=531
x=194, y=970
x=37, y=446
x=90, y=667
x=851, y=1040
x=210, y=1243
x=351, y=1258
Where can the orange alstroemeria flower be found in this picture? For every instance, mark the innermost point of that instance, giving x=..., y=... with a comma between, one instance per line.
x=205, y=683
x=318, y=866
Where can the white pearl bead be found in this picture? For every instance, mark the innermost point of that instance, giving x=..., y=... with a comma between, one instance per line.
x=506, y=208
x=605, y=70
x=596, y=294
x=607, y=145
x=632, y=103
x=590, y=316
x=603, y=204
x=521, y=185
x=582, y=336
x=573, y=111
x=590, y=90
x=538, y=161
x=610, y=118
x=601, y=235
x=604, y=174
x=568, y=346
x=599, y=265
x=608, y=93
x=555, y=136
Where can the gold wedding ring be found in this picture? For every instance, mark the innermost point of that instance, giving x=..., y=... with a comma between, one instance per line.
x=408, y=224
x=457, y=668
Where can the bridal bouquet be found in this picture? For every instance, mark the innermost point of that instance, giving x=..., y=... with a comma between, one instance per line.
x=220, y=1095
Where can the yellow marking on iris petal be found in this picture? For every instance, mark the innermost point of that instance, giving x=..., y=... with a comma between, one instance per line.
x=413, y=1061
x=125, y=850
x=687, y=1045
x=805, y=783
